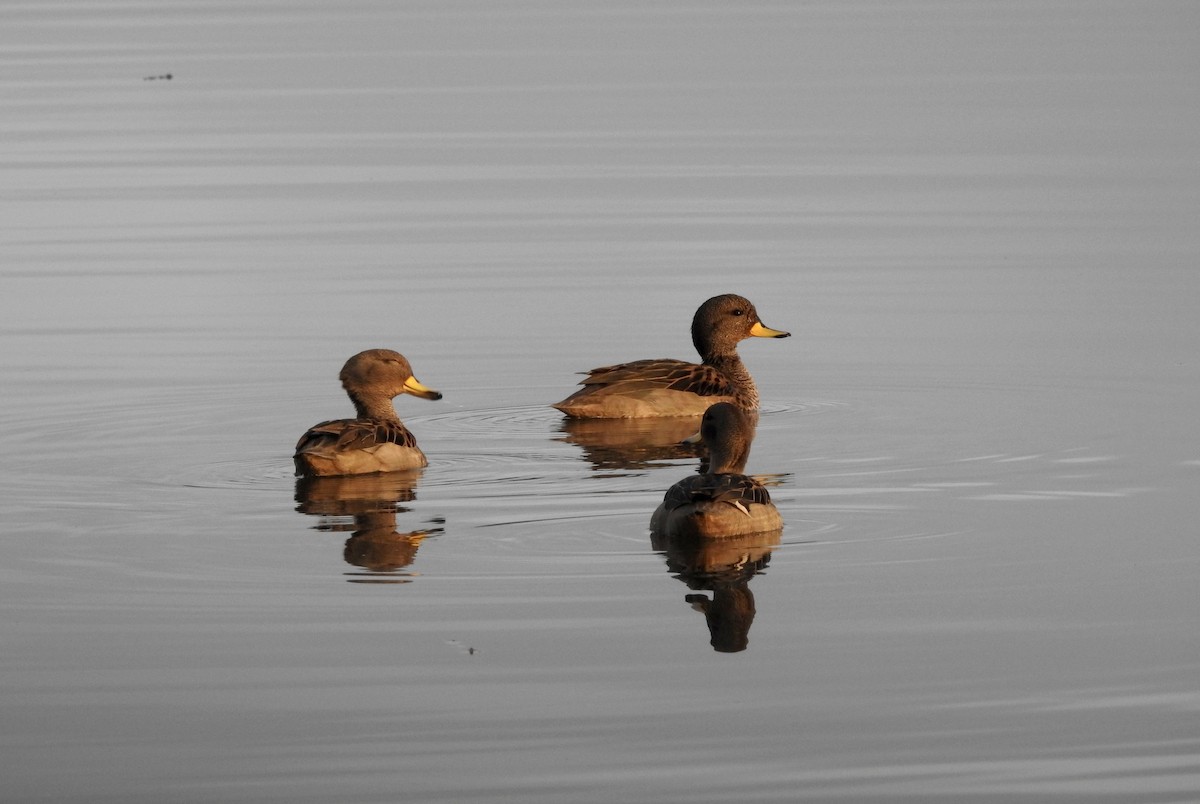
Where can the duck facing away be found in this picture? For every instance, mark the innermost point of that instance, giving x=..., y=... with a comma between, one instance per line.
x=666, y=387
x=376, y=440
x=722, y=502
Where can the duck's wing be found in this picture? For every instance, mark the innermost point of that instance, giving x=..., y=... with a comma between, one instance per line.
x=740, y=491
x=342, y=435
x=657, y=373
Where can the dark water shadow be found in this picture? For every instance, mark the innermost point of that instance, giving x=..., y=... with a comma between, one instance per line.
x=723, y=567
x=631, y=444
x=366, y=507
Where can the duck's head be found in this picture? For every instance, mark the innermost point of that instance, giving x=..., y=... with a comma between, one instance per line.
x=724, y=320
x=728, y=432
x=382, y=372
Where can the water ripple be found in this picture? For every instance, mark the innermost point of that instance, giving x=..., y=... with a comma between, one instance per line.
x=493, y=423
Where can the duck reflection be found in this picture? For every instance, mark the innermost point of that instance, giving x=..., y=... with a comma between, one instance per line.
x=366, y=507
x=723, y=567
x=631, y=444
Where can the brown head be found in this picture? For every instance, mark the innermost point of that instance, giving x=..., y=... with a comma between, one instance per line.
x=728, y=432
x=723, y=321
x=378, y=375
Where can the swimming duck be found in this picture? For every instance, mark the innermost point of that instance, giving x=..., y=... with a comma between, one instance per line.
x=723, y=501
x=666, y=387
x=375, y=441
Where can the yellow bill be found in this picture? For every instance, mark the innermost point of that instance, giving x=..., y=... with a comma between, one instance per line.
x=414, y=387
x=761, y=331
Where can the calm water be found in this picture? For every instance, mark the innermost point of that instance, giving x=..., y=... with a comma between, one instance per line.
x=977, y=220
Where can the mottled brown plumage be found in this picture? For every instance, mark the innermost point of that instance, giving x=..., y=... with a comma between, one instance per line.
x=668, y=387
x=375, y=441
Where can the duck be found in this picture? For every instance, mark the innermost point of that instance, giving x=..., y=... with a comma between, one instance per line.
x=668, y=387
x=722, y=502
x=375, y=440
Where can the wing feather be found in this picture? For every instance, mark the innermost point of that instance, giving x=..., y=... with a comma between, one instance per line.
x=740, y=491
x=661, y=373
x=341, y=435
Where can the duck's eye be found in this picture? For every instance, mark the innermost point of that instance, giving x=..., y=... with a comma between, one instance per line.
x=737, y=312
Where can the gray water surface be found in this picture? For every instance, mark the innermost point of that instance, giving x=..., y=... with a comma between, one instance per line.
x=978, y=221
